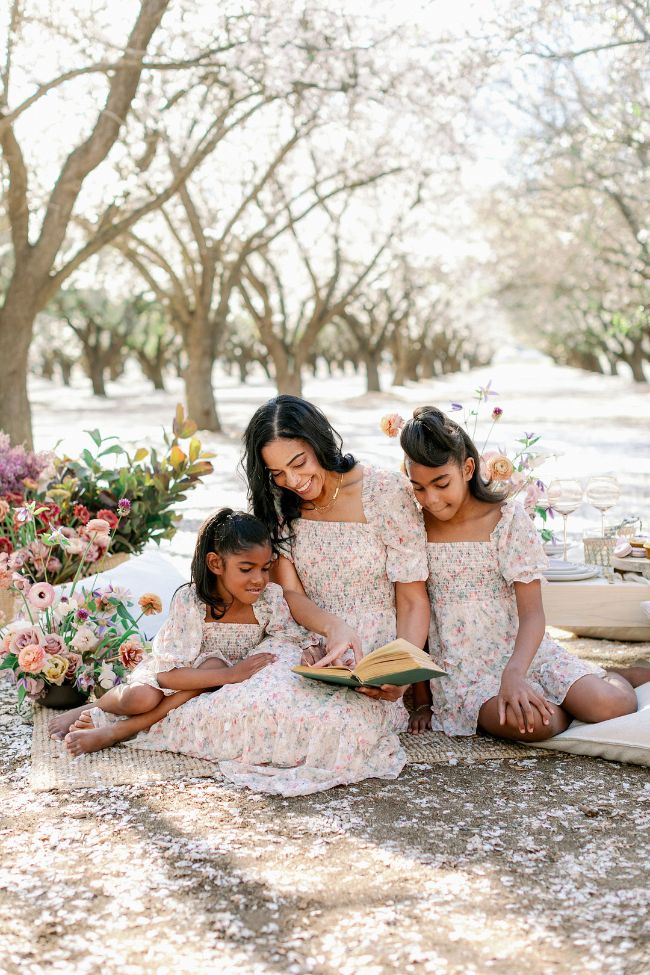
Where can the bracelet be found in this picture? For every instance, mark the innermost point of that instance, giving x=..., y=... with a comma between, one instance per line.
x=428, y=706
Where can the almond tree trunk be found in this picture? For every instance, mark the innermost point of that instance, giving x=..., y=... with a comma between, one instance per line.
x=16, y=328
x=199, y=392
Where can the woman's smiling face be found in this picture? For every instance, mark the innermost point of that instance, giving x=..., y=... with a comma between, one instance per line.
x=293, y=465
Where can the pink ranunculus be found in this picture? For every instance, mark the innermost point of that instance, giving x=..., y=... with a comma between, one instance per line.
x=17, y=559
x=26, y=636
x=84, y=639
x=5, y=645
x=500, y=468
x=20, y=582
x=75, y=660
x=93, y=552
x=39, y=550
x=131, y=652
x=32, y=658
x=53, y=565
x=391, y=424
x=54, y=644
x=102, y=542
x=97, y=526
x=41, y=595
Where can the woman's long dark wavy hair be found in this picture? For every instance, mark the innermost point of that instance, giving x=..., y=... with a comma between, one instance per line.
x=432, y=439
x=226, y=532
x=289, y=418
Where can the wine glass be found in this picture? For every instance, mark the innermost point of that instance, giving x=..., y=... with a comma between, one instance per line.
x=564, y=496
x=603, y=492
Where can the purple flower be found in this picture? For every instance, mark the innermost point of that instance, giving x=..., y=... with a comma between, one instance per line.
x=18, y=464
x=123, y=506
x=456, y=406
x=529, y=436
x=484, y=392
x=85, y=680
x=497, y=413
x=82, y=615
x=541, y=485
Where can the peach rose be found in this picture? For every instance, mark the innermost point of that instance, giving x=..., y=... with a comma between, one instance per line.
x=31, y=658
x=55, y=669
x=131, y=652
x=54, y=644
x=84, y=639
x=391, y=424
x=150, y=603
x=499, y=468
x=96, y=526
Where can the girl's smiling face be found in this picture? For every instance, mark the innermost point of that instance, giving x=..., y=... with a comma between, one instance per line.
x=243, y=575
x=293, y=465
x=441, y=490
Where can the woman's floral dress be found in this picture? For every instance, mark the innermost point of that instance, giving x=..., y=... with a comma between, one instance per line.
x=280, y=733
x=474, y=622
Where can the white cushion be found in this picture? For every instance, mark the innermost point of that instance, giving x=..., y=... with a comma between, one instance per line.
x=149, y=572
x=625, y=739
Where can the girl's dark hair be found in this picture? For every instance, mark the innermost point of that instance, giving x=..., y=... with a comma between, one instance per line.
x=432, y=439
x=289, y=418
x=226, y=532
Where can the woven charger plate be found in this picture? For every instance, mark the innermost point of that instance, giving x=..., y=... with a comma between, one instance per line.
x=54, y=769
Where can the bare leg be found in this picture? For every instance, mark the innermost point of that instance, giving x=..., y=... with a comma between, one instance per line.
x=488, y=720
x=85, y=738
x=594, y=698
x=80, y=740
x=633, y=675
x=124, y=699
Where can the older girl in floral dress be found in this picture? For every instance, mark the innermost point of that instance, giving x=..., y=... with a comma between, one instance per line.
x=486, y=563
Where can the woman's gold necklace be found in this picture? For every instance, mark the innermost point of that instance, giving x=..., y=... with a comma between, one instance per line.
x=331, y=503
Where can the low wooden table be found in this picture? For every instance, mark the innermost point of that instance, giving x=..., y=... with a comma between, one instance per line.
x=612, y=609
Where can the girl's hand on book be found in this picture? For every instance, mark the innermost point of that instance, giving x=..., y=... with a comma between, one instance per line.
x=387, y=692
x=245, y=669
x=517, y=695
x=420, y=720
x=341, y=638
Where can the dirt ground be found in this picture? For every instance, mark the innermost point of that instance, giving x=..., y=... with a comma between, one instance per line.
x=535, y=865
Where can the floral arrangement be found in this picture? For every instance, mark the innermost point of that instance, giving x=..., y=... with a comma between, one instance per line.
x=87, y=639
x=48, y=532
x=20, y=469
x=84, y=637
x=513, y=474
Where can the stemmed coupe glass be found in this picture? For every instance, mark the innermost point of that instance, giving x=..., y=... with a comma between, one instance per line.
x=564, y=496
x=603, y=492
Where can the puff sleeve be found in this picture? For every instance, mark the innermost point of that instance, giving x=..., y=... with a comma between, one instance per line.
x=178, y=642
x=272, y=612
x=389, y=506
x=519, y=547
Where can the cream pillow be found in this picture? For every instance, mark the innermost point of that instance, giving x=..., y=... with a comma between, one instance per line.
x=625, y=739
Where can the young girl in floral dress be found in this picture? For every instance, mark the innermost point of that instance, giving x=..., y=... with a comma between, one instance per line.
x=269, y=729
x=487, y=631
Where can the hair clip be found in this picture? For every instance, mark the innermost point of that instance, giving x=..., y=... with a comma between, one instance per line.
x=392, y=424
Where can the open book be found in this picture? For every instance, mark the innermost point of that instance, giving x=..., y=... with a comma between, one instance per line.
x=398, y=663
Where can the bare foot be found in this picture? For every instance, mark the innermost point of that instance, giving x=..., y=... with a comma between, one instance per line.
x=58, y=727
x=83, y=722
x=79, y=742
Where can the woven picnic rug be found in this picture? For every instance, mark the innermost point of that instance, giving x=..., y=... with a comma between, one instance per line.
x=54, y=769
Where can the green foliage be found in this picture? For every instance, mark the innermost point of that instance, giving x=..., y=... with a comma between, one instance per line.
x=154, y=484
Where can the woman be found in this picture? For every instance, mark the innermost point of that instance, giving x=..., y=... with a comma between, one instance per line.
x=353, y=563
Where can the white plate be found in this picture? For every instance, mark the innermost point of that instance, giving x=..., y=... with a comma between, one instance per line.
x=574, y=576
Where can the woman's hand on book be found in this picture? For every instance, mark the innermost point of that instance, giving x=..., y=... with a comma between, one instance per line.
x=341, y=638
x=387, y=692
x=248, y=667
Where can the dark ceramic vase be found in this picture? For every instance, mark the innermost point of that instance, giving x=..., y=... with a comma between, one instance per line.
x=63, y=697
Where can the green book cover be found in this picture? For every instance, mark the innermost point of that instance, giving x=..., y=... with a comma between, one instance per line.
x=334, y=676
